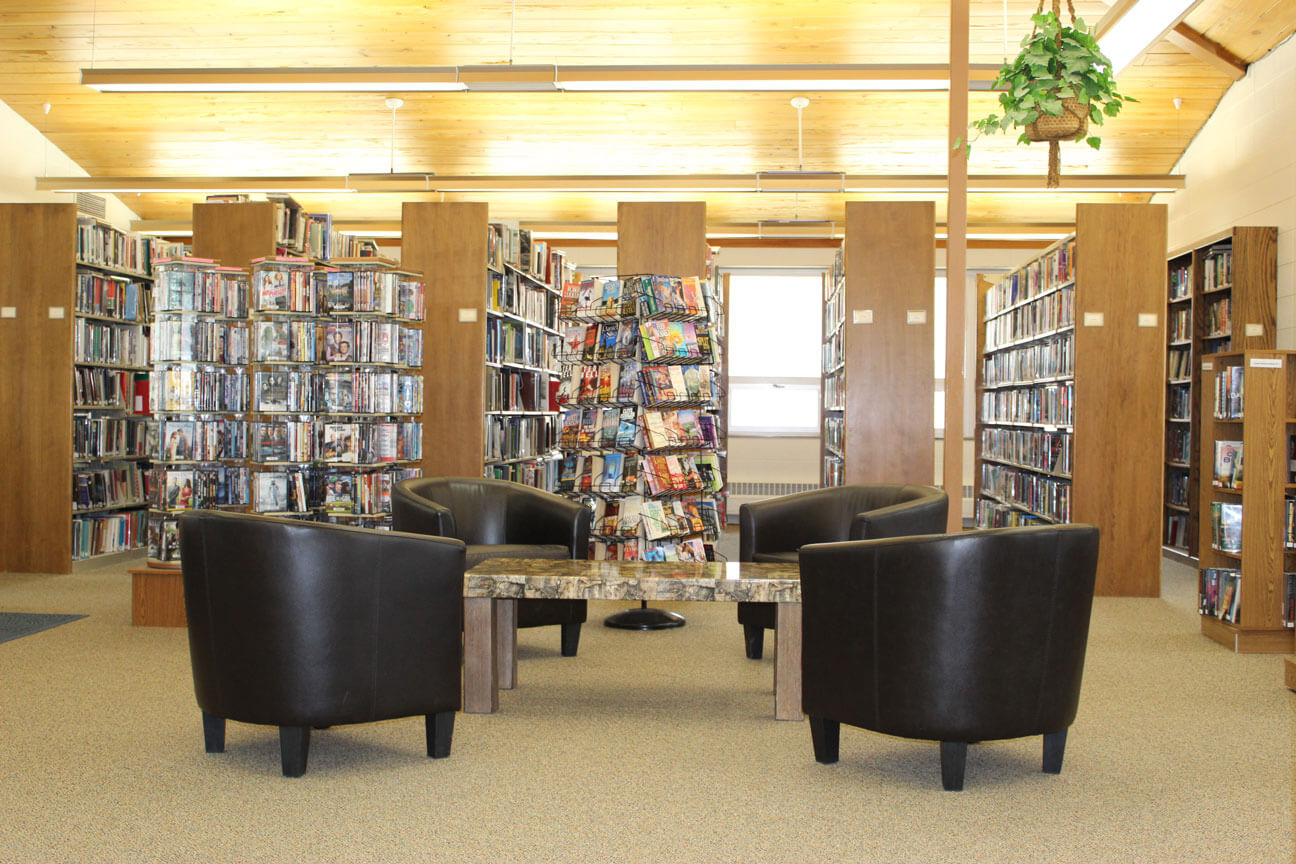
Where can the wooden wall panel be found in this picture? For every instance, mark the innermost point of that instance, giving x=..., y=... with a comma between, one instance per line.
x=447, y=243
x=666, y=238
x=37, y=271
x=1255, y=286
x=234, y=234
x=890, y=374
x=1119, y=391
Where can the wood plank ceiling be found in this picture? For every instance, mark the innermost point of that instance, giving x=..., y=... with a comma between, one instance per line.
x=44, y=46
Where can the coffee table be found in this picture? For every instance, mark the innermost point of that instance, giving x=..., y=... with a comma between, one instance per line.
x=492, y=588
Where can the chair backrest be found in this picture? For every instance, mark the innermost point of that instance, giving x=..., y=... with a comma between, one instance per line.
x=482, y=511
x=296, y=623
x=958, y=637
x=851, y=512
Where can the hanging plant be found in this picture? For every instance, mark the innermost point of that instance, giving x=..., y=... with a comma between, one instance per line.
x=1058, y=84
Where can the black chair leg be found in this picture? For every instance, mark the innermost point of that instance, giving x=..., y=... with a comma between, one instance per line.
x=953, y=762
x=1054, y=748
x=294, y=745
x=440, y=729
x=213, y=733
x=570, y=639
x=825, y=734
x=754, y=636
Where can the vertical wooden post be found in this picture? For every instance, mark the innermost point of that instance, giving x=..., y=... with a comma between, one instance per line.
x=956, y=264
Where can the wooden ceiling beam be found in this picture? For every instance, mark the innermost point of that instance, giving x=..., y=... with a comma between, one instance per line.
x=1207, y=50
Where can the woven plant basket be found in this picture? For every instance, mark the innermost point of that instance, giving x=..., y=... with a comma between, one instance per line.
x=1070, y=125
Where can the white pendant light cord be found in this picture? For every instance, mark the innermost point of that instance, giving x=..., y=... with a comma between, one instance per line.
x=393, y=103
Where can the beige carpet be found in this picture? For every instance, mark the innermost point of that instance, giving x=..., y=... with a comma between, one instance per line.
x=646, y=747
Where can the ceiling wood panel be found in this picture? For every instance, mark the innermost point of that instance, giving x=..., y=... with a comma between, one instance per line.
x=42, y=50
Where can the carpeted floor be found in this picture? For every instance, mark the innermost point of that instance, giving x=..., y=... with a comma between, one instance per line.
x=646, y=747
x=15, y=625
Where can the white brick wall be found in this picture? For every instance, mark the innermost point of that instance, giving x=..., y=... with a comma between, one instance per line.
x=1241, y=170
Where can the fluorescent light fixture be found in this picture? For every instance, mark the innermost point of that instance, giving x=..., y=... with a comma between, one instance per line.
x=193, y=185
x=805, y=228
x=1130, y=26
x=515, y=78
x=763, y=182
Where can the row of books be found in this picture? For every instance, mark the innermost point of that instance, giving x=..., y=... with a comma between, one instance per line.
x=683, y=473
x=1040, y=317
x=1031, y=448
x=1179, y=325
x=1040, y=493
x=1220, y=593
x=620, y=518
x=508, y=389
x=1177, y=488
x=198, y=285
x=115, y=486
x=101, y=245
x=995, y=514
x=101, y=388
x=373, y=341
x=675, y=340
x=834, y=433
x=112, y=297
x=1180, y=282
x=1179, y=402
x=105, y=533
x=369, y=443
x=1047, y=404
x=1226, y=527
x=634, y=296
x=200, y=340
x=605, y=340
x=370, y=287
x=1055, y=269
x=616, y=382
x=1177, y=530
x=1228, y=387
x=1179, y=364
x=538, y=473
x=198, y=439
x=510, y=437
x=360, y=442
x=288, y=340
x=1217, y=267
x=1179, y=444
x=509, y=341
x=689, y=549
x=199, y=488
x=1053, y=357
x=1219, y=320
x=834, y=353
x=510, y=292
x=104, y=342
x=365, y=493
x=511, y=246
x=95, y=437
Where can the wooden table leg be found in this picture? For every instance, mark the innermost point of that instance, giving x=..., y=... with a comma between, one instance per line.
x=787, y=662
x=506, y=643
x=480, y=672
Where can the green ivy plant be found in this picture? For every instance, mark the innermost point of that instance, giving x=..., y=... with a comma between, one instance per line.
x=1056, y=62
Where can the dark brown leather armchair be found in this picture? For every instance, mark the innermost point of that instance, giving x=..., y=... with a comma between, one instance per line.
x=501, y=519
x=775, y=529
x=959, y=638
x=301, y=624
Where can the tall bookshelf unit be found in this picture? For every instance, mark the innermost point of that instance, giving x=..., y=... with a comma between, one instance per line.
x=1221, y=296
x=492, y=305
x=52, y=258
x=832, y=436
x=1249, y=398
x=882, y=383
x=1071, y=405
x=110, y=364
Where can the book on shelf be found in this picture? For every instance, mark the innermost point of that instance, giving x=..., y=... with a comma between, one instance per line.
x=1230, y=596
x=1226, y=527
x=1289, y=600
x=1228, y=464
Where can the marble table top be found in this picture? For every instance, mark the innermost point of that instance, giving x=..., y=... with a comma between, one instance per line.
x=633, y=580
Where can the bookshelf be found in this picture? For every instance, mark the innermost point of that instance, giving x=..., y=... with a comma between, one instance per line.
x=47, y=300
x=886, y=375
x=198, y=393
x=493, y=293
x=1226, y=278
x=1064, y=433
x=1248, y=400
x=831, y=440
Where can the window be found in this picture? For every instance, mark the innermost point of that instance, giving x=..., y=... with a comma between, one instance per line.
x=775, y=334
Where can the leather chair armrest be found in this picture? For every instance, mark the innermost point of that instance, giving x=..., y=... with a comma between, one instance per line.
x=415, y=514
x=926, y=515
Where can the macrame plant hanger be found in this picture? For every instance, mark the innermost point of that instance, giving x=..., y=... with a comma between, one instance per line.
x=1070, y=125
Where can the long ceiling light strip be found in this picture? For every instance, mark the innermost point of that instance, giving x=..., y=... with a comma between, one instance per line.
x=536, y=78
x=766, y=182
